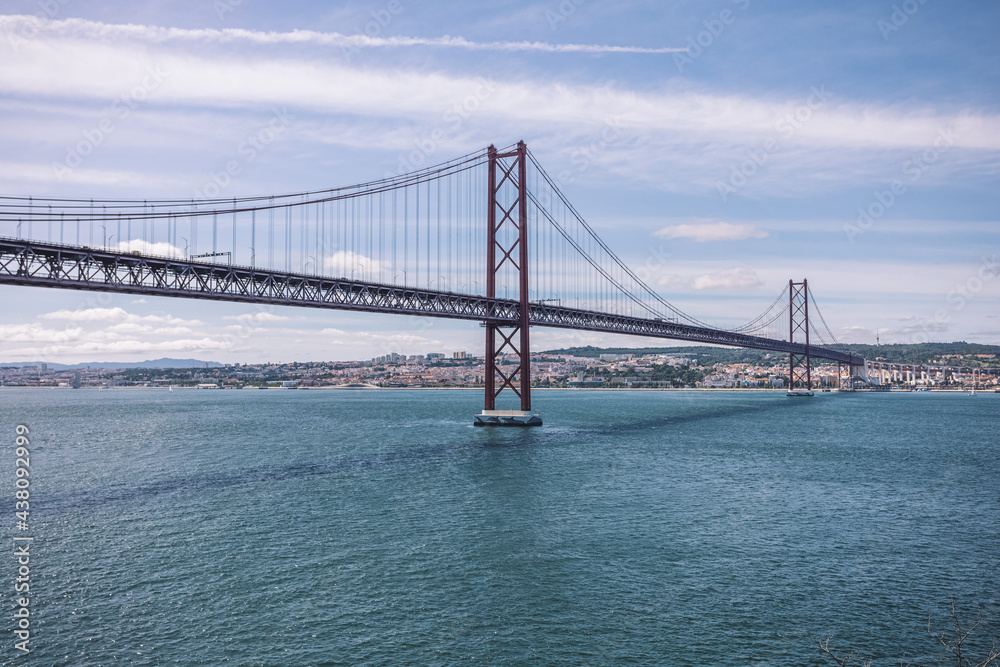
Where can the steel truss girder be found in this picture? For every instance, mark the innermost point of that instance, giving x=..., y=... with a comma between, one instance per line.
x=48, y=265
x=29, y=263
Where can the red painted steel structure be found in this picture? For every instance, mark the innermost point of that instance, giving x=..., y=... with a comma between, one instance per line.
x=35, y=264
x=511, y=168
x=799, y=365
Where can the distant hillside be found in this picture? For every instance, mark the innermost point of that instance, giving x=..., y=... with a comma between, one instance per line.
x=912, y=354
x=153, y=363
x=928, y=352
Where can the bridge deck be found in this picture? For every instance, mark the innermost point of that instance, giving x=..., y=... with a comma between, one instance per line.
x=31, y=263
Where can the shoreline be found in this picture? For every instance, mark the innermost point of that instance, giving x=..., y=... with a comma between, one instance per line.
x=956, y=390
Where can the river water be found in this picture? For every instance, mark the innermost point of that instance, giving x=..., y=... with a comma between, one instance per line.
x=379, y=527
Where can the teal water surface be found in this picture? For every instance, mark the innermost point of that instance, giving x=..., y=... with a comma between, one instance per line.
x=380, y=527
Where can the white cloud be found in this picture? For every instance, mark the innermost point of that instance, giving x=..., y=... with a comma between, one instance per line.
x=262, y=316
x=135, y=328
x=734, y=279
x=402, y=340
x=711, y=231
x=130, y=346
x=145, y=248
x=116, y=315
x=38, y=173
x=32, y=333
x=130, y=328
x=89, y=315
x=914, y=330
x=345, y=263
x=916, y=325
x=674, y=137
x=372, y=336
x=670, y=280
x=65, y=61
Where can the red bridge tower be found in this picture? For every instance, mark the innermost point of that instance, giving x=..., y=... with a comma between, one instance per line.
x=507, y=246
x=799, y=365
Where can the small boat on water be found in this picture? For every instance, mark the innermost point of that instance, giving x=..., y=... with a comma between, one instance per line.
x=355, y=385
x=800, y=392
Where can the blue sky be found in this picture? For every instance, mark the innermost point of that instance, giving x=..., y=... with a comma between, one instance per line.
x=746, y=160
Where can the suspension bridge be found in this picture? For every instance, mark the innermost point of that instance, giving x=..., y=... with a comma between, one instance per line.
x=488, y=237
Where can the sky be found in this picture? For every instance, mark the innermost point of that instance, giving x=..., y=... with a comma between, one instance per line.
x=722, y=146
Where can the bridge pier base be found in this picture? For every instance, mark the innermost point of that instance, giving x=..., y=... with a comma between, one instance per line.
x=507, y=418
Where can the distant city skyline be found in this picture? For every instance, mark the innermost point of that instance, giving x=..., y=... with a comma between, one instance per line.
x=721, y=148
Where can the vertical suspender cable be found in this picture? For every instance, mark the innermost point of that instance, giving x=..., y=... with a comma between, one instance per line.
x=406, y=233
x=416, y=226
x=234, y=230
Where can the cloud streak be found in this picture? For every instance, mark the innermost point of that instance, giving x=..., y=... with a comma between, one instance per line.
x=674, y=115
x=740, y=278
x=711, y=231
x=116, y=315
x=102, y=31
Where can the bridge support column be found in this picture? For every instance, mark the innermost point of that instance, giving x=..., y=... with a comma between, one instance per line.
x=845, y=383
x=799, y=365
x=507, y=232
